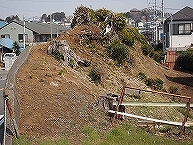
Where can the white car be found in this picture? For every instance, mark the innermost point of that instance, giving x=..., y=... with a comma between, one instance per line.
x=9, y=55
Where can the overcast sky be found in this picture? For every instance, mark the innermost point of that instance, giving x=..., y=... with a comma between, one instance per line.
x=31, y=8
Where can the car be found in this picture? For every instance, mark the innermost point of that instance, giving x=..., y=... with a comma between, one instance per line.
x=9, y=55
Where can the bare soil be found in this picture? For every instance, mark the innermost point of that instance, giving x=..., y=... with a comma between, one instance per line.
x=58, y=101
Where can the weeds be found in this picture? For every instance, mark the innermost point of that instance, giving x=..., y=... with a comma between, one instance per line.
x=96, y=75
x=173, y=90
x=141, y=76
x=61, y=71
x=71, y=63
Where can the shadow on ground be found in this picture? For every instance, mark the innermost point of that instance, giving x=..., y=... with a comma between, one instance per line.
x=188, y=81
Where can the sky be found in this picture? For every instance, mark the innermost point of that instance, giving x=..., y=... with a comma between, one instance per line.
x=35, y=8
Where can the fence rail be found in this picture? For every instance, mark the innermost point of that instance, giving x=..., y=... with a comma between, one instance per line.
x=120, y=102
x=154, y=104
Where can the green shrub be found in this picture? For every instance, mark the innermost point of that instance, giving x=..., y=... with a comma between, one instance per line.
x=173, y=90
x=165, y=129
x=118, y=52
x=146, y=49
x=149, y=82
x=58, y=56
x=141, y=76
x=16, y=48
x=119, y=21
x=158, y=56
x=61, y=71
x=156, y=84
x=185, y=61
x=71, y=63
x=126, y=36
x=101, y=14
x=137, y=36
x=96, y=75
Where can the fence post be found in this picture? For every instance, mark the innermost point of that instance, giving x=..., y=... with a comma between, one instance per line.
x=185, y=118
x=119, y=102
x=11, y=113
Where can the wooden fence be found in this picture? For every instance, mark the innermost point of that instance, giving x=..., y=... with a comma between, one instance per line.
x=186, y=104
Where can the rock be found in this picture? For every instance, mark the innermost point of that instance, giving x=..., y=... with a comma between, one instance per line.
x=62, y=47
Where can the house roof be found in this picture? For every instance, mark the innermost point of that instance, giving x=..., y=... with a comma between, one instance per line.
x=43, y=28
x=6, y=42
x=2, y=23
x=185, y=14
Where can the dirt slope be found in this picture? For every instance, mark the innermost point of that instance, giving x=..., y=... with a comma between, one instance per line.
x=58, y=101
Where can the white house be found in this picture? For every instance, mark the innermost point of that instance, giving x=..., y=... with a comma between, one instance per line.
x=34, y=31
x=178, y=29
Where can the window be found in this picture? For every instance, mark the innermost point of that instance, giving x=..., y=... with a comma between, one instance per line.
x=184, y=29
x=20, y=37
x=5, y=36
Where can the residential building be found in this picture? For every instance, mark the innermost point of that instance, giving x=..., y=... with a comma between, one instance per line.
x=2, y=23
x=34, y=31
x=178, y=29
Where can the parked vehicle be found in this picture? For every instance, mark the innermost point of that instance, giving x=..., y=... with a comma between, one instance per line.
x=9, y=55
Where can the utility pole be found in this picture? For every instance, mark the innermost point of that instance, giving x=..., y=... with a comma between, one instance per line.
x=171, y=30
x=155, y=25
x=163, y=39
x=51, y=24
x=23, y=31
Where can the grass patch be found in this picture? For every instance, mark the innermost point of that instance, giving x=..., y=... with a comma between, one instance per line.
x=127, y=135
x=121, y=135
x=22, y=140
x=91, y=135
x=52, y=142
x=183, y=111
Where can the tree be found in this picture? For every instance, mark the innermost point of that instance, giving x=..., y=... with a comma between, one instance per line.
x=44, y=18
x=102, y=14
x=119, y=22
x=126, y=36
x=81, y=16
x=11, y=18
x=16, y=48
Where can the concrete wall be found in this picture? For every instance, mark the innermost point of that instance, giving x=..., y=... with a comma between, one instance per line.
x=13, y=29
x=11, y=92
x=181, y=40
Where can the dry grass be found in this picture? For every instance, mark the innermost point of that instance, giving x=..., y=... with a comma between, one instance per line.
x=58, y=101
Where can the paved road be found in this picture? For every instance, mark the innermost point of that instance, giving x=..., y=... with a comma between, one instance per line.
x=3, y=76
